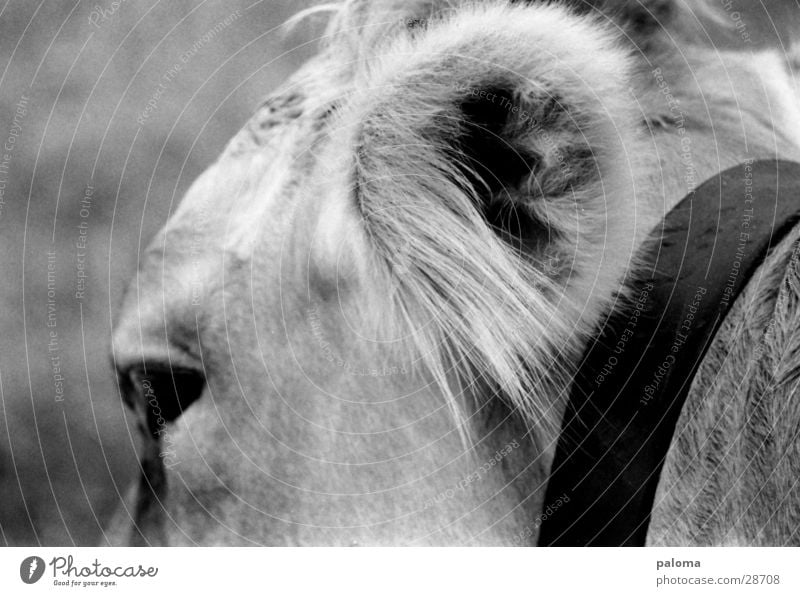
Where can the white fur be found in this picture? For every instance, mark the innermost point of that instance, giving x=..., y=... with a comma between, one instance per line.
x=349, y=196
x=479, y=313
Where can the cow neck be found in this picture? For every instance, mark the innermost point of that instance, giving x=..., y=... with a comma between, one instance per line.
x=636, y=373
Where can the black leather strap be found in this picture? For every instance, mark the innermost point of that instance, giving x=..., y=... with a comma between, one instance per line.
x=635, y=376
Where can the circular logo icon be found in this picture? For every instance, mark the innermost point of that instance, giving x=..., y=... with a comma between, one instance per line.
x=31, y=570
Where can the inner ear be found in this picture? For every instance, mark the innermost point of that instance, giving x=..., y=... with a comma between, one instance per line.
x=498, y=163
x=490, y=141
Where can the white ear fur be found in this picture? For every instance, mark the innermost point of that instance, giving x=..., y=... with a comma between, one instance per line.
x=500, y=316
x=568, y=108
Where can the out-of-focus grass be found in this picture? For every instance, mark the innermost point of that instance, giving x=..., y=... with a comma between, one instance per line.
x=83, y=85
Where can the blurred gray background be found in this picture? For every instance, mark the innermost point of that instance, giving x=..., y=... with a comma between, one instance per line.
x=75, y=81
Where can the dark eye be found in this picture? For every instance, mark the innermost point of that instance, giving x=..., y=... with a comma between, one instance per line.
x=161, y=392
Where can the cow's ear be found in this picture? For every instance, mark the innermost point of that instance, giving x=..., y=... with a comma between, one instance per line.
x=518, y=117
x=525, y=107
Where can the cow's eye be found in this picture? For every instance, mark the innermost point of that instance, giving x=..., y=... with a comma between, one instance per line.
x=161, y=392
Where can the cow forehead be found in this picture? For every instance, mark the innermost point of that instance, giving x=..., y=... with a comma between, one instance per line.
x=251, y=188
x=283, y=149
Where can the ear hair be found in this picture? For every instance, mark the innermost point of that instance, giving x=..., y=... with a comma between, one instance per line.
x=511, y=110
x=494, y=115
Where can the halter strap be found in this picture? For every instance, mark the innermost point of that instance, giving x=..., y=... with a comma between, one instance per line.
x=635, y=375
